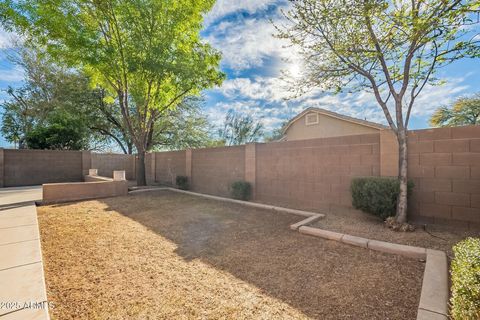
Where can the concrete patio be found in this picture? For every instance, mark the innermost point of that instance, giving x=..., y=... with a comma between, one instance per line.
x=22, y=284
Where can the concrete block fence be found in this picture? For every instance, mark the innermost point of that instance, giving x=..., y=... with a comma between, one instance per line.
x=314, y=175
x=35, y=167
x=444, y=164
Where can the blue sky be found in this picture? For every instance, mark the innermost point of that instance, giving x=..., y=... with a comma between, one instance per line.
x=253, y=60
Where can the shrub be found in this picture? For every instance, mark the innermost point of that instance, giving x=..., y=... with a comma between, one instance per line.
x=182, y=182
x=465, y=271
x=377, y=195
x=241, y=190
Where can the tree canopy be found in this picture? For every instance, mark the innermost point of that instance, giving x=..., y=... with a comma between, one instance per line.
x=148, y=54
x=240, y=129
x=50, y=94
x=464, y=111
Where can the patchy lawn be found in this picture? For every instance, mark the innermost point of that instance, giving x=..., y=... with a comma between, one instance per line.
x=164, y=255
x=365, y=225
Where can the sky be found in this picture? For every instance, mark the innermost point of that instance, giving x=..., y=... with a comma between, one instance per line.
x=253, y=61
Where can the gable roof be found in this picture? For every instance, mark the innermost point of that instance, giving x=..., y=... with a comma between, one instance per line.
x=337, y=116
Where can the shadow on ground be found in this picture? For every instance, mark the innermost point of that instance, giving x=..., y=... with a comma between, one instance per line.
x=323, y=279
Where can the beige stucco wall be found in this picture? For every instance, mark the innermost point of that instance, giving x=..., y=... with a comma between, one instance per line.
x=326, y=127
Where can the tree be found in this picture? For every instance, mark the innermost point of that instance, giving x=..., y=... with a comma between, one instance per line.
x=182, y=128
x=277, y=133
x=148, y=54
x=389, y=48
x=240, y=129
x=48, y=91
x=63, y=132
x=465, y=111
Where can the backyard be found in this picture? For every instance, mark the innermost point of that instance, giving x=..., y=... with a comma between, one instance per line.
x=167, y=255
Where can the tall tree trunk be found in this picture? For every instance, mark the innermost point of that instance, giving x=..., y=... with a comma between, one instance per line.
x=141, y=178
x=402, y=203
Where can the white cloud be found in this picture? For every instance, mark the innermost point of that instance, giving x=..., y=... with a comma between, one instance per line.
x=259, y=88
x=225, y=7
x=433, y=97
x=245, y=45
x=8, y=39
x=249, y=42
x=265, y=99
x=15, y=74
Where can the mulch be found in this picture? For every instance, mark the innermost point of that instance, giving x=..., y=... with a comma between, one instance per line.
x=163, y=255
x=356, y=223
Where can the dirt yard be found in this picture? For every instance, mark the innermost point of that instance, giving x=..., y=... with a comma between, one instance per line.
x=368, y=226
x=163, y=255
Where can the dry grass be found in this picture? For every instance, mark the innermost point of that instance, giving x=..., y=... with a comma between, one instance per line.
x=163, y=255
x=368, y=226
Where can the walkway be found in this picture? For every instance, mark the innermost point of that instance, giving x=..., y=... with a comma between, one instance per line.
x=22, y=284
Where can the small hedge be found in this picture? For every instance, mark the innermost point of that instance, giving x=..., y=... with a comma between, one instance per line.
x=182, y=182
x=241, y=190
x=377, y=195
x=465, y=271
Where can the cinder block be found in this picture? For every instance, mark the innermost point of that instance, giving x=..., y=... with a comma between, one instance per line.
x=475, y=172
x=433, y=134
x=452, y=145
x=407, y=251
x=452, y=172
x=360, y=149
x=465, y=132
x=452, y=198
x=435, y=159
x=420, y=147
x=475, y=200
x=466, y=186
x=475, y=145
x=427, y=184
x=466, y=159
x=423, y=196
x=421, y=171
x=435, y=210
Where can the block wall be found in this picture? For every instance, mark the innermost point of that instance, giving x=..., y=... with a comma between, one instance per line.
x=444, y=163
x=34, y=167
x=213, y=170
x=106, y=163
x=314, y=174
x=169, y=165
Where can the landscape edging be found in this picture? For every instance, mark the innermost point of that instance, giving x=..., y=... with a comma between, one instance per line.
x=433, y=303
x=245, y=203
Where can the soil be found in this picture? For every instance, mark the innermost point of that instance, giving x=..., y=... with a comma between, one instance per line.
x=356, y=223
x=164, y=255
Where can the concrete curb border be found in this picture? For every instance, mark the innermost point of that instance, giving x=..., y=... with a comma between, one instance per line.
x=245, y=203
x=434, y=295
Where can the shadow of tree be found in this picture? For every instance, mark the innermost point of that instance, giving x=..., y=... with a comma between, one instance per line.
x=323, y=279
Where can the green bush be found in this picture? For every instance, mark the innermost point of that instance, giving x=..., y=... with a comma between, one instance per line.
x=182, y=182
x=241, y=190
x=376, y=195
x=465, y=271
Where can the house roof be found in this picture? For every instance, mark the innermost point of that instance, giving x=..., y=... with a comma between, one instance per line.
x=337, y=116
